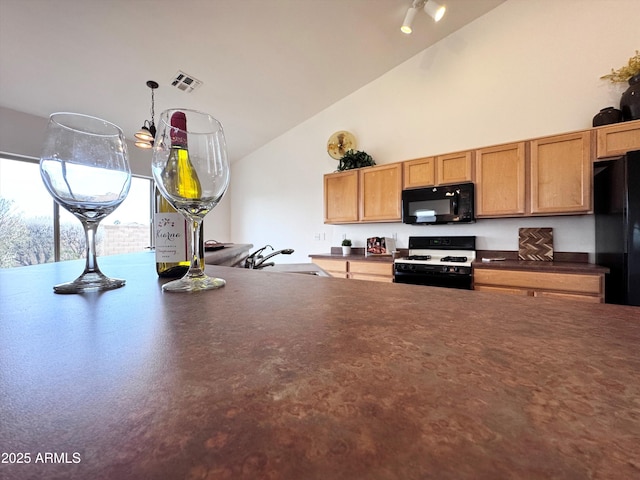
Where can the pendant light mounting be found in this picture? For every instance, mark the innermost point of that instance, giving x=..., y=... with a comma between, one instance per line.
x=147, y=133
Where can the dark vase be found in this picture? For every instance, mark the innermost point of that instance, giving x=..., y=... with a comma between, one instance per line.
x=630, y=101
x=607, y=116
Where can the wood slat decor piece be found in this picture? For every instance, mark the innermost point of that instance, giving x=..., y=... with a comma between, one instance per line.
x=535, y=244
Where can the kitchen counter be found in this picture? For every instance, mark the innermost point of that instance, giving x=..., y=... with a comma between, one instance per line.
x=564, y=262
x=541, y=266
x=354, y=257
x=231, y=255
x=285, y=376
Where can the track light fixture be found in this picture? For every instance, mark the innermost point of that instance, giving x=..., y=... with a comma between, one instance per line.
x=147, y=132
x=431, y=7
x=408, y=20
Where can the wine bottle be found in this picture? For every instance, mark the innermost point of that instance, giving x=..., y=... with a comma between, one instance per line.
x=172, y=230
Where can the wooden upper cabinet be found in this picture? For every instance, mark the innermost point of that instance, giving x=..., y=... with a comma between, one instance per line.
x=618, y=139
x=381, y=193
x=420, y=172
x=501, y=180
x=561, y=171
x=341, y=197
x=454, y=168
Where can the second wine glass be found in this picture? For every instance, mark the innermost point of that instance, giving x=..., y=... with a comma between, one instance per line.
x=85, y=167
x=191, y=170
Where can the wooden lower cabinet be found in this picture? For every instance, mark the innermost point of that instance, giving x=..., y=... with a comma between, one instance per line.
x=586, y=287
x=377, y=271
x=335, y=268
x=357, y=269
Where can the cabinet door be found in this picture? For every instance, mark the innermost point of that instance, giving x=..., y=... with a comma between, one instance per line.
x=506, y=290
x=500, y=180
x=454, y=168
x=420, y=172
x=335, y=268
x=561, y=172
x=341, y=197
x=618, y=139
x=381, y=193
x=577, y=283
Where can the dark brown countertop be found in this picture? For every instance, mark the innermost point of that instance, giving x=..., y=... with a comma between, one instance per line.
x=540, y=266
x=230, y=255
x=563, y=262
x=288, y=376
x=354, y=257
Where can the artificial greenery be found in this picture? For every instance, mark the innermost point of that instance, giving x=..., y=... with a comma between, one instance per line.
x=346, y=242
x=355, y=159
x=631, y=69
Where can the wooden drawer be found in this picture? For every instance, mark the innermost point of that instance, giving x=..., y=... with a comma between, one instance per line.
x=337, y=268
x=371, y=268
x=570, y=296
x=374, y=278
x=618, y=139
x=509, y=291
x=564, y=282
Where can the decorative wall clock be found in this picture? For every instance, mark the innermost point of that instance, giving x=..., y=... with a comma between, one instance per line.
x=339, y=143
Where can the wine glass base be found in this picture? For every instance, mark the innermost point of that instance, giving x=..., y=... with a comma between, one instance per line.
x=193, y=284
x=90, y=282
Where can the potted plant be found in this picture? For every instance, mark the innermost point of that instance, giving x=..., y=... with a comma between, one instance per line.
x=355, y=159
x=630, y=100
x=346, y=247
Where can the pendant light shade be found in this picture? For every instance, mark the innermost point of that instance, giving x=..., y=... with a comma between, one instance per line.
x=147, y=133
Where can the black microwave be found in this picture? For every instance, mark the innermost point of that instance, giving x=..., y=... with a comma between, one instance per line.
x=438, y=205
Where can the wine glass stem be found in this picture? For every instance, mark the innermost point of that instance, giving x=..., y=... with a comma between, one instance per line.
x=90, y=229
x=196, y=255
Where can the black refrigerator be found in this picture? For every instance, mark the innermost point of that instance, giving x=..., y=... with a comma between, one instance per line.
x=616, y=206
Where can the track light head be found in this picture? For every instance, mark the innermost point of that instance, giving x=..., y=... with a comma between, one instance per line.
x=408, y=20
x=434, y=10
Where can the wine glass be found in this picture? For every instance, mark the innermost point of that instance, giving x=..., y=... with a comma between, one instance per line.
x=85, y=168
x=191, y=170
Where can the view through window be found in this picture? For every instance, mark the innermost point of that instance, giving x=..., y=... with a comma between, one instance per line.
x=27, y=222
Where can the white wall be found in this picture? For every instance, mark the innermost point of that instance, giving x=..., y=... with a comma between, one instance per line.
x=528, y=68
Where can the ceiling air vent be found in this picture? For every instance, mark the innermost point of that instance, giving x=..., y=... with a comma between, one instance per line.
x=186, y=83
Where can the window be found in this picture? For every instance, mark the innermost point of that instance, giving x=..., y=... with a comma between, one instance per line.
x=29, y=218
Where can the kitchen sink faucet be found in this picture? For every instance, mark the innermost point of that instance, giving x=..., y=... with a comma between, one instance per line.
x=256, y=260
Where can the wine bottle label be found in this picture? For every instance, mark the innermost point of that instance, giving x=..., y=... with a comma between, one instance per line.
x=171, y=237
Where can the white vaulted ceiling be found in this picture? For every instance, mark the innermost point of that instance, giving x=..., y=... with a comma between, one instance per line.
x=266, y=65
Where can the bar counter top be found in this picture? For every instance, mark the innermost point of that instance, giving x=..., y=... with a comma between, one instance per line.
x=289, y=376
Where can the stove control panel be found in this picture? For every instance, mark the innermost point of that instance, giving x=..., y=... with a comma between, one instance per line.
x=433, y=269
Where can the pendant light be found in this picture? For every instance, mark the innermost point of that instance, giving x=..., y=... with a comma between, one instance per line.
x=147, y=132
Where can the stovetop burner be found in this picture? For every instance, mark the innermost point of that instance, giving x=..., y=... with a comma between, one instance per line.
x=418, y=257
x=454, y=259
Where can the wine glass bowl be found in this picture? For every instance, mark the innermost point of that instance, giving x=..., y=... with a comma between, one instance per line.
x=191, y=170
x=85, y=167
